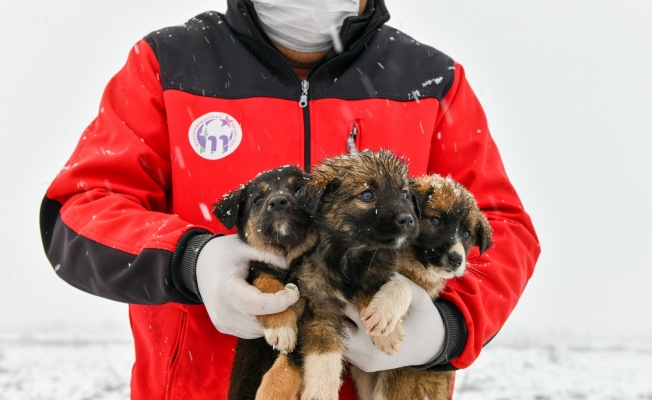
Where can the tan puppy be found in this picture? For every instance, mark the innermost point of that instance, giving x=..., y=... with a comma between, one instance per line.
x=450, y=224
x=363, y=214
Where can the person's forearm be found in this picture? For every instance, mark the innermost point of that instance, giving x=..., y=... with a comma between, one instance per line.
x=105, y=220
x=81, y=259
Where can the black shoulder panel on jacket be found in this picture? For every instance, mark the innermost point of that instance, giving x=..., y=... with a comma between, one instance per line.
x=206, y=57
x=393, y=66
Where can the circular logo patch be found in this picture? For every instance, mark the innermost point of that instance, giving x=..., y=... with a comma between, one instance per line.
x=215, y=135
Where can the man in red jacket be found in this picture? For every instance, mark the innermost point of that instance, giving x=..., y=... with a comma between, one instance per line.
x=200, y=109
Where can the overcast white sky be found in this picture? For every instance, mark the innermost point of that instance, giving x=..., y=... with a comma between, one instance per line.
x=566, y=85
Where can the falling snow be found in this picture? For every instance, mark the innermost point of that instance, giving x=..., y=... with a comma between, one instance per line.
x=33, y=369
x=436, y=81
x=205, y=211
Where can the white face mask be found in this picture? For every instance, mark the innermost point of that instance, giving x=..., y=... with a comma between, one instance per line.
x=304, y=25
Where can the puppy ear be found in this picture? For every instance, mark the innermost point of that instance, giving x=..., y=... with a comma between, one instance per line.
x=319, y=183
x=483, y=233
x=416, y=204
x=418, y=196
x=310, y=195
x=228, y=209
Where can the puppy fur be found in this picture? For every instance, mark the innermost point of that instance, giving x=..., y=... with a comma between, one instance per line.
x=268, y=217
x=363, y=214
x=450, y=224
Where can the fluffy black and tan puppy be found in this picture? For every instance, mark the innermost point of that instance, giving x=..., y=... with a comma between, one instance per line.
x=268, y=217
x=450, y=224
x=363, y=213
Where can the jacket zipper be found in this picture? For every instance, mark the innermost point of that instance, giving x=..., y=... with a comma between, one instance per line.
x=303, y=103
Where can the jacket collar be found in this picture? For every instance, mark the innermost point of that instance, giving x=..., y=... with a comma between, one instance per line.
x=355, y=33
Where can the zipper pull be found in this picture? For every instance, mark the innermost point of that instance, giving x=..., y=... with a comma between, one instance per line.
x=303, y=102
x=350, y=143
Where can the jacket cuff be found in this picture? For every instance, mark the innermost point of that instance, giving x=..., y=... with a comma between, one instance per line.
x=455, y=337
x=183, y=266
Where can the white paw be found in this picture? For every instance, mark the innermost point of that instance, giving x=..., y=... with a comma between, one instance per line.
x=283, y=339
x=378, y=320
x=319, y=395
x=388, y=306
x=321, y=378
x=391, y=343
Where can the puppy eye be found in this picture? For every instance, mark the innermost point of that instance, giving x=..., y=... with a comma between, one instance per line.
x=367, y=195
x=436, y=221
x=257, y=199
x=466, y=234
x=404, y=194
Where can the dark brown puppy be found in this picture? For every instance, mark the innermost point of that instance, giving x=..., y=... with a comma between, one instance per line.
x=268, y=217
x=363, y=213
x=450, y=224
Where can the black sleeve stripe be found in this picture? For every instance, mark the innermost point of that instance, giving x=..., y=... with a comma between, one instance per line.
x=103, y=271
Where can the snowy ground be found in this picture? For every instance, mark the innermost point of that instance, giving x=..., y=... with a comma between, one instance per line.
x=596, y=372
x=71, y=370
x=32, y=369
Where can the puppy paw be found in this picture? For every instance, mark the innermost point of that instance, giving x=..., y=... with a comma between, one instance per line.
x=386, y=308
x=319, y=395
x=283, y=338
x=320, y=390
x=377, y=320
x=322, y=376
x=281, y=382
x=391, y=343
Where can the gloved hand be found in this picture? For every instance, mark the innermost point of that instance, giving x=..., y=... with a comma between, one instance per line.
x=231, y=302
x=424, y=336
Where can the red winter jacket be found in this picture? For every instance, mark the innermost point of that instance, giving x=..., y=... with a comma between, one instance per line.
x=201, y=108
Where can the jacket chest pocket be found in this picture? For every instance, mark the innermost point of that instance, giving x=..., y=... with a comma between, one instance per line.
x=407, y=128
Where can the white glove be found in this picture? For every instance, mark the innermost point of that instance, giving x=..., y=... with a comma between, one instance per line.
x=424, y=336
x=231, y=302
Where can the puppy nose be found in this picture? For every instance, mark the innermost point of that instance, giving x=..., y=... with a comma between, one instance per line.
x=405, y=220
x=277, y=203
x=454, y=260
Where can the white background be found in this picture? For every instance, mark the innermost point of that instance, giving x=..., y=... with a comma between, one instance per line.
x=566, y=85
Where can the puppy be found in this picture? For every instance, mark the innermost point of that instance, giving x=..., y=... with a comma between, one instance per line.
x=268, y=217
x=450, y=224
x=364, y=216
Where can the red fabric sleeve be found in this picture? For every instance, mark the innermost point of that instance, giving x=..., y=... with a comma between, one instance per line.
x=113, y=192
x=464, y=150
